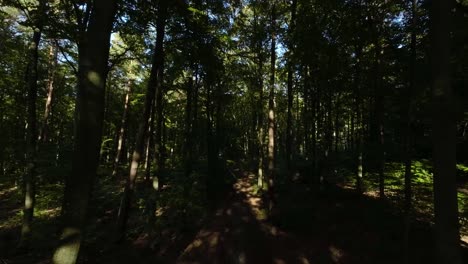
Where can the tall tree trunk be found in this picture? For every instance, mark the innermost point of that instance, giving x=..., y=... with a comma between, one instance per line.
x=29, y=181
x=43, y=135
x=122, y=130
x=93, y=58
x=378, y=114
x=407, y=148
x=158, y=143
x=444, y=137
x=271, y=113
x=149, y=144
x=211, y=145
x=187, y=150
x=359, y=133
x=289, y=130
x=152, y=87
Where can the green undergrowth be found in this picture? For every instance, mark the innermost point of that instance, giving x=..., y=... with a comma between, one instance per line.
x=422, y=185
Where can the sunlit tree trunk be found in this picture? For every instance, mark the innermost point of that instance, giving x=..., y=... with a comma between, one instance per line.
x=93, y=58
x=446, y=228
x=122, y=130
x=359, y=133
x=260, y=108
x=29, y=181
x=149, y=144
x=43, y=135
x=271, y=113
x=152, y=87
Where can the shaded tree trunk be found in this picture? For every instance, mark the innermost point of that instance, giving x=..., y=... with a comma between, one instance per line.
x=29, y=181
x=271, y=114
x=407, y=148
x=93, y=57
x=289, y=130
x=358, y=148
x=122, y=130
x=446, y=228
x=152, y=87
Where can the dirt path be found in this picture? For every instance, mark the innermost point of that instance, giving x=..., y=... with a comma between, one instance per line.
x=334, y=226
x=238, y=233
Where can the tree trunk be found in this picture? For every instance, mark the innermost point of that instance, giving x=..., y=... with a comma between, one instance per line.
x=123, y=130
x=378, y=115
x=407, y=148
x=43, y=135
x=359, y=121
x=271, y=113
x=158, y=147
x=29, y=181
x=93, y=58
x=289, y=130
x=149, y=144
x=444, y=137
x=152, y=87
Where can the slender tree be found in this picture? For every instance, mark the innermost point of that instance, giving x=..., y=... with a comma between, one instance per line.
x=271, y=112
x=289, y=130
x=137, y=155
x=93, y=58
x=29, y=182
x=447, y=236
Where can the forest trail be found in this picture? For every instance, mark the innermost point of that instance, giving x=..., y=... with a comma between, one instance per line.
x=336, y=226
x=239, y=233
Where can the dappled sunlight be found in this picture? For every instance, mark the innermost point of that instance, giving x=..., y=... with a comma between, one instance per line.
x=303, y=260
x=335, y=253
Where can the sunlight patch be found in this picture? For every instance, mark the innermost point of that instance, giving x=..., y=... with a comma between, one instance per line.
x=94, y=78
x=336, y=253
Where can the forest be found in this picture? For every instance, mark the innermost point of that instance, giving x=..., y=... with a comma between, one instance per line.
x=233, y=131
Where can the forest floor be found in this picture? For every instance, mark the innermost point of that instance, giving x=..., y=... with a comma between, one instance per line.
x=334, y=225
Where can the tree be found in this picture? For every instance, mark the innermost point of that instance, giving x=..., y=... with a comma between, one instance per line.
x=444, y=137
x=31, y=77
x=154, y=84
x=92, y=66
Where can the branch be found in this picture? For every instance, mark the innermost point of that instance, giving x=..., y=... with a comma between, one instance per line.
x=70, y=63
x=117, y=59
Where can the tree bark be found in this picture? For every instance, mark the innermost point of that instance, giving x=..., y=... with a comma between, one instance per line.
x=93, y=57
x=359, y=121
x=446, y=228
x=29, y=181
x=152, y=87
x=271, y=113
x=123, y=130
x=407, y=148
x=43, y=135
x=289, y=130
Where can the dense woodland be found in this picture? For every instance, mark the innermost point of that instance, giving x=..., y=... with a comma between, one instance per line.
x=236, y=131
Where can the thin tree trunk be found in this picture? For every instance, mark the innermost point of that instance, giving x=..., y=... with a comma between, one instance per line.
x=29, y=181
x=446, y=228
x=359, y=133
x=289, y=130
x=271, y=113
x=158, y=147
x=407, y=149
x=149, y=144
x=377, y=122
x=43, y=135
x=93, y=58
x=142, y=132
x=123, y=130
